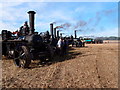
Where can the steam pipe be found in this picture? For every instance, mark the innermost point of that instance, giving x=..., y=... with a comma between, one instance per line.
x=55, y=32
x=61, y=35
x=51, y=30
x=58, y=34
x=31, y=21
x=75, y=34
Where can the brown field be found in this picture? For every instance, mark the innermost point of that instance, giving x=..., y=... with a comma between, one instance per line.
x=92, y=66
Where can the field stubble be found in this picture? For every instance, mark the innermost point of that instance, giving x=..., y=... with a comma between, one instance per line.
x=92, y=66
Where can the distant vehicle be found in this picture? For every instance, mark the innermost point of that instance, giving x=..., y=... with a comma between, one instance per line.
x=97, y=41
x=89, y=40
x=93, y=41
x=78, y=42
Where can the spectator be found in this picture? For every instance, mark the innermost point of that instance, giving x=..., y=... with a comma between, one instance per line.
x=65, y=46
x=60, y=46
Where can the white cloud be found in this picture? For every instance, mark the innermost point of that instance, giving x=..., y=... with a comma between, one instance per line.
x=10, y=4
x=42, y=26
x=108, y=32
x=62, y=16
x=7, y=26
x=97, y=33
x=14, y=15
x=80, y=9
x=11, y=17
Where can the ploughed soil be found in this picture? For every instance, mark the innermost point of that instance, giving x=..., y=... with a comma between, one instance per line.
x=92, y=66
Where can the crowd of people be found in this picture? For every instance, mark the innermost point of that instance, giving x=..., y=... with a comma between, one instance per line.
x=62, y=46
x=63, y=43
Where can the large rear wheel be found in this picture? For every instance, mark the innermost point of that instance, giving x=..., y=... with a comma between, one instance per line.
x=22, y=57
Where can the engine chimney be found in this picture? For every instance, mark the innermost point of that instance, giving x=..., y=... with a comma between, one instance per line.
x=75, y=34
x=58, y=34
x=61, y=35
x=55, y=32
x=51, y=30
x=31, y=22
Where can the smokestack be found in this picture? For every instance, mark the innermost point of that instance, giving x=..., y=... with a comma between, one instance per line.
x=51, y=29
x=31, y=21
x=60, y=34
x=55, y=32
x=75, y=34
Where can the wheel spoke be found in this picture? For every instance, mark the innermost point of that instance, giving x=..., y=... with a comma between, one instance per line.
x=22, y=55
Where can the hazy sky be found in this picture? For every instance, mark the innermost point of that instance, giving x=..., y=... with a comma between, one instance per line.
x=91, y=18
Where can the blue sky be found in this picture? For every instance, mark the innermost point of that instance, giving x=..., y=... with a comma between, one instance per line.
x=91, y=18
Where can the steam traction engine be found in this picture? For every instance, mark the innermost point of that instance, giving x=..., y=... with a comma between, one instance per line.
x=27, y=45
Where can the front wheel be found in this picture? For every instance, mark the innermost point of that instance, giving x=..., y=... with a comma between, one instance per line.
x=22, y=57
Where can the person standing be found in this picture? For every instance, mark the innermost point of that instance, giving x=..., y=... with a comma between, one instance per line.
x=60, y=46
x=65, y=46
x=26, y=28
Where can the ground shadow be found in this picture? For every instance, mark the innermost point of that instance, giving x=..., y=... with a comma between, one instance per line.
x=71, y=54
x=82, y=47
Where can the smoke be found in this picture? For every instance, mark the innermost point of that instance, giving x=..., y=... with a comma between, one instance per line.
x=89, y=29
x=80, y=24
x=98, y=19
x=64, y=26
x=57, y=21
x=58, y=27
x=108, y=12
x=102, y=13
x=89, y=25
